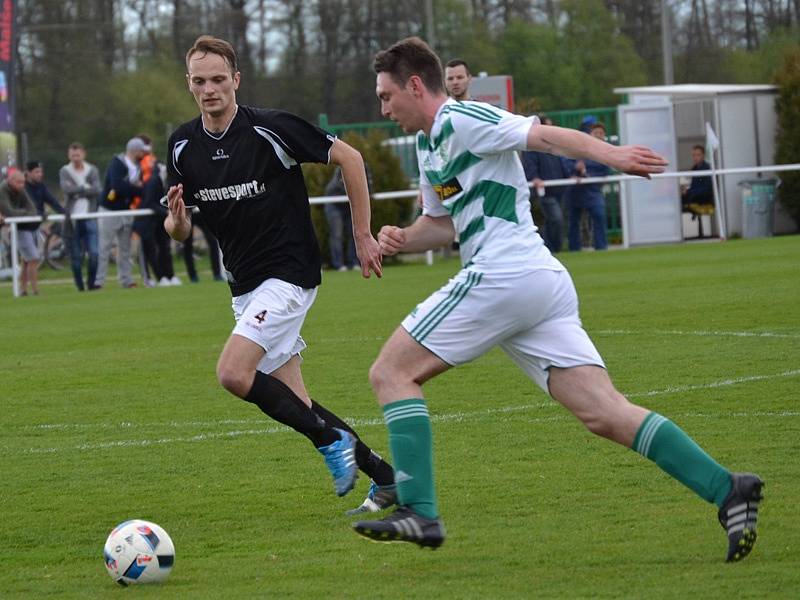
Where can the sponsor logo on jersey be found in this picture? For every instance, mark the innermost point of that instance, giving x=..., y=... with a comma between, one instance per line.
x=220, y=155
x=448, y=189
x=238, y=191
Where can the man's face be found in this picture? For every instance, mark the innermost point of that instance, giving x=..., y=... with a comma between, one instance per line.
x=698, y=156
x=36, y=175
x=76, y=155
x=599, y=133
x=456, y=80
x=16, y=181
x=398, y=103
x=212, y=84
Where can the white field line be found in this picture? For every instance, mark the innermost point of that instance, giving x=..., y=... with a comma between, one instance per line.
x=743, y=334
x=443, y=418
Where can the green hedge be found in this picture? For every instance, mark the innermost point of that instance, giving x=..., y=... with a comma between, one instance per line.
x=387, y=176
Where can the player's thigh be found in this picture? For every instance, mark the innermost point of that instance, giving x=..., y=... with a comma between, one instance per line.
x=472, y=313
x=558, y=339
x=272, y=316
x=403, y=359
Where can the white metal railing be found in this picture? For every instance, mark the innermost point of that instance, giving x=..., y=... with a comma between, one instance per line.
x=12, y=222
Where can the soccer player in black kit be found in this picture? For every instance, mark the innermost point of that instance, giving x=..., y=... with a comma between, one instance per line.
x=240, y=166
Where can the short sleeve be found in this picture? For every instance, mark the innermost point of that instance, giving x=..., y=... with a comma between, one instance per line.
x=176, y=147
x=304, y=142
x=431, y=204
x=489, y=130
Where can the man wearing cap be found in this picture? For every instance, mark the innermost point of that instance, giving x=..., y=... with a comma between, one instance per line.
x=122, y=184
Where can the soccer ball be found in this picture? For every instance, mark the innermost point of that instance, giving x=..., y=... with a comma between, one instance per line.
x=138, y=552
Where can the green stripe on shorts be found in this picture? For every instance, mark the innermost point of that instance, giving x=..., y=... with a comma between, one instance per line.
x=437, y=315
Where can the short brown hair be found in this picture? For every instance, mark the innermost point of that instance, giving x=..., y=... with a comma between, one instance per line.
x=76, y=146
x=408, y=57
x=207, y=44
x=457, y=62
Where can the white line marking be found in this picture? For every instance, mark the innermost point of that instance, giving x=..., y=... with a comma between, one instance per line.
x=764, y=334
x=443, y=418
x=713, y=384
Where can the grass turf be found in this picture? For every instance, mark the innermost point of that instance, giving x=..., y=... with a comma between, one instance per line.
x=112, y=411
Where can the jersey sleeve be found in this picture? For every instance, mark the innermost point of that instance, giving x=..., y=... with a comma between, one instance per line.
x=176, y=147
x=304, y=142
x=431, y=204
x=487, y=130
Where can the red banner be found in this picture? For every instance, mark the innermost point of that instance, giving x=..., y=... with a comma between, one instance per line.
x=8, y=142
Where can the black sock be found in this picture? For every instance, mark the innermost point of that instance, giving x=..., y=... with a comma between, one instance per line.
x=369, y=461
x=277, y=400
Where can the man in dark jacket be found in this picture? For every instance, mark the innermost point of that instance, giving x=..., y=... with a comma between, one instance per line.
x=15, y=202
x=701, y=190
x=539, y=167
x=37, y=190
x=122, y=184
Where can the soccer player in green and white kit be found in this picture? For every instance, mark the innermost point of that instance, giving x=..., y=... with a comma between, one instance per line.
x=512, y=293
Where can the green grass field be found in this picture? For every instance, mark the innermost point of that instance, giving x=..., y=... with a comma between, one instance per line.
x=111, y=411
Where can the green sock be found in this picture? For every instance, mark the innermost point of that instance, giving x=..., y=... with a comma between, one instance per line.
x=412, y=455
x=663, y=442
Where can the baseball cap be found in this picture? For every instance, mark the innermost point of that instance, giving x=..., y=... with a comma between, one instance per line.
x=137, y=145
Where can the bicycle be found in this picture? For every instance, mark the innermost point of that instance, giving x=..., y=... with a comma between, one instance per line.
x=52, y=247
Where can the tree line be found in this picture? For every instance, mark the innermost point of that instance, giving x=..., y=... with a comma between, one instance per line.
x=100, y=71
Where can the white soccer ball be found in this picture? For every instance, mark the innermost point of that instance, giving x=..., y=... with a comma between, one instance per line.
x=138, y=551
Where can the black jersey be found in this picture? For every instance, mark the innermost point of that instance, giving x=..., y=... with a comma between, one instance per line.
x=249, y=187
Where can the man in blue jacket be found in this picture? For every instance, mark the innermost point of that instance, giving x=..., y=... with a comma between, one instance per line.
x=588, y=197
x=539, y=167
x=122, y=184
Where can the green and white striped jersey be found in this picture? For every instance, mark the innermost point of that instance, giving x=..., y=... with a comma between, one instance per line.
x=470, y=170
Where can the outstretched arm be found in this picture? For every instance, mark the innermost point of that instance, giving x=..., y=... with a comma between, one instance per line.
x=425, y=233
x=632, y=159
x=355, y=183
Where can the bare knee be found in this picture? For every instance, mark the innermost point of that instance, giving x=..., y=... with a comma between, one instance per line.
x=236, y=380
x=379, y=375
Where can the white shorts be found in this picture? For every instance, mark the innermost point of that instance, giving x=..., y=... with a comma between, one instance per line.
x=532, y=316
x=272, y=316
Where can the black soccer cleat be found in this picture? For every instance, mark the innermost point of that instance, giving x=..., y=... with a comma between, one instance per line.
x=404, y=525
x=739, y=514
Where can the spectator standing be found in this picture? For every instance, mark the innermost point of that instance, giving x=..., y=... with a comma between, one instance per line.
x=80, y=185
x=588, y=197
x=457, y=78
x=213, y=251
x=122, y=184
x=340, y=223
x=150, y=228
x=38, y=191
x=15, y=202
x=540, y=167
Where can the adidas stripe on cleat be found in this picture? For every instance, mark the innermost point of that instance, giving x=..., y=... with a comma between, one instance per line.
x=379, y=497
x=739, y=514
x=340, y=457
x=404, y=525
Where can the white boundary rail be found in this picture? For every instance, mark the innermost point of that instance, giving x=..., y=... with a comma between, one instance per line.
x=12, y=222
